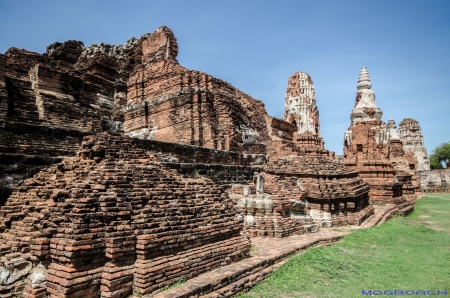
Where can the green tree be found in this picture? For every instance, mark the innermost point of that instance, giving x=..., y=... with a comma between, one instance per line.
x=440, y=154
x=434, y=162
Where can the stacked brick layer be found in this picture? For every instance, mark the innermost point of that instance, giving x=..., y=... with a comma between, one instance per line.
x=114, y=218
x=48, y=102
x=328, y=186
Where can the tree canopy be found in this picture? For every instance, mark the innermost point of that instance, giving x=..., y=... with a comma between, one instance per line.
x=440, y=154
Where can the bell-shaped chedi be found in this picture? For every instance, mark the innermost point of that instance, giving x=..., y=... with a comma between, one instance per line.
x=367, y=146
x=300, y=109
x=365, y=107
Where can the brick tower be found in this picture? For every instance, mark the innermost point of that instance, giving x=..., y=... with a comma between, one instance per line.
x=366, y=146
x=301, y=110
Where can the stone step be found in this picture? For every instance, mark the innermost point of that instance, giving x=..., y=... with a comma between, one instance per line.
x=406, y=211
x=234, y=278
x=388, y=215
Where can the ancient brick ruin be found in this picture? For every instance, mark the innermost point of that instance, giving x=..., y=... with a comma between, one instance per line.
x=113, y=218
x=412, y=138
x=167, y=102
x=51, y=101
x=435, y=181
x=404, y=164
x=374, y=149
x=123, y=172
x=301, y=175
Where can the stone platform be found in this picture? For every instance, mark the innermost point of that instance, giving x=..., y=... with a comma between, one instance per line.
x=266, y=255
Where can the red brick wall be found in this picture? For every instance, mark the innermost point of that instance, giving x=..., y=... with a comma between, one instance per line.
x=115, y=217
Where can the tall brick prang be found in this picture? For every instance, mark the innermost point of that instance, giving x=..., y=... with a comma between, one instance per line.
x=301, y=110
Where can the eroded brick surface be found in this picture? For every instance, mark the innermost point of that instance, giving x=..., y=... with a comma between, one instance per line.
x=114, y=217
x=50, y=101
x=168, y=102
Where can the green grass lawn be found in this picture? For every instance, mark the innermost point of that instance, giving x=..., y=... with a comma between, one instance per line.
x=405, y=253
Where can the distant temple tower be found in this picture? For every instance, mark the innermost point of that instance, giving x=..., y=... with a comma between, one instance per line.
x=403, y=163
x=412, y=138
x=367, y=146
x=300, y=109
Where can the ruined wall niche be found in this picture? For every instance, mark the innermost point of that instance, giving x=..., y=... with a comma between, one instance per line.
x=259, y=184
x=280, y=129
x=300, y=211
x=248, y=135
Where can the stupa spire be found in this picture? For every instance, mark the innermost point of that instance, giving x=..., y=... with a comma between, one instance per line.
x=366, y=108
x=364, y=79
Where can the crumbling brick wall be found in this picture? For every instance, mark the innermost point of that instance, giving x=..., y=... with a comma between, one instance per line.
x=114, y=219
x=49, y=101
x=72, y=90
x=167, y=102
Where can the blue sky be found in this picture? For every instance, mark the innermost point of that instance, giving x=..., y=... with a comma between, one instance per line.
x=257, y=45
